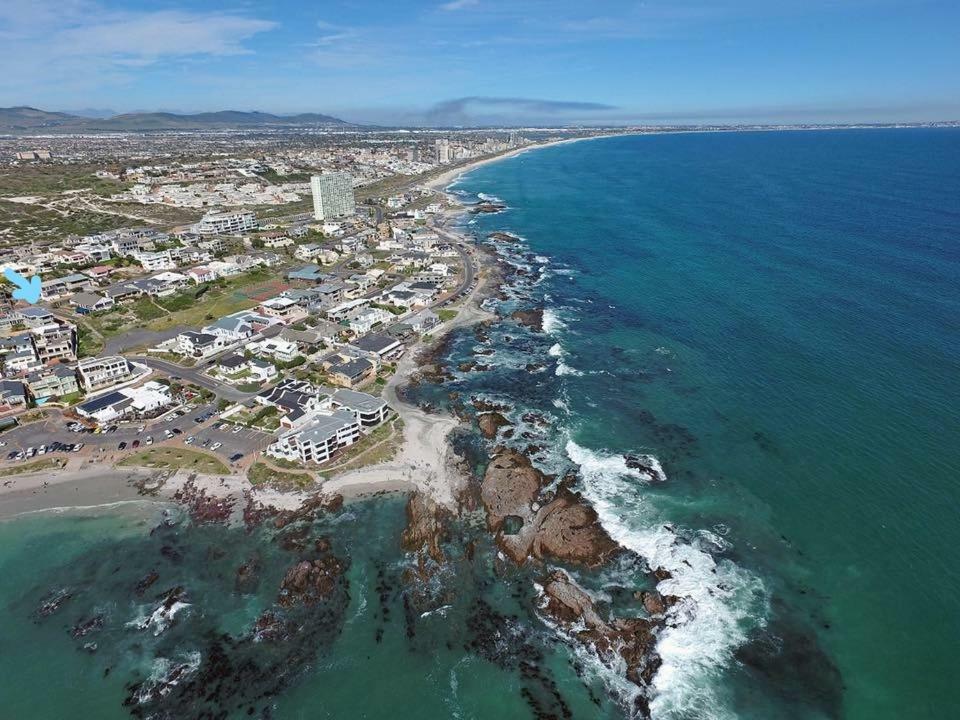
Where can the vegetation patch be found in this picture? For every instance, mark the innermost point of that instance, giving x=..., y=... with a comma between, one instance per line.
x=177, y=458
x=32, y=467
x=262, y=475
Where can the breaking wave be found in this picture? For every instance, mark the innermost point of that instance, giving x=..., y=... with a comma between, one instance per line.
x=721, y=601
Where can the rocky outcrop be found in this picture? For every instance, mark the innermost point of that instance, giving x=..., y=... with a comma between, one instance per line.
x=630, y=641
x=203, y=508
x=490, y=423
x=310, y=581
x=564, y=528
x=532, y=319
x=425, y=529
x=503, y=237
x=645, y=465
x=486, y=208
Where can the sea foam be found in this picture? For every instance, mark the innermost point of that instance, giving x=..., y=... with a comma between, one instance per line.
x=722, y=602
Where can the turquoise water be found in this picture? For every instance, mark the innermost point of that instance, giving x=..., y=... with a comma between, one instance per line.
x=775, y=316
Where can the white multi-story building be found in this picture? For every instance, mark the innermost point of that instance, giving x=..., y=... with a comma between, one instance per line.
x=443, y=151
x=332, y=195
x=100, y=372
x=226, y=223
x=319, y=439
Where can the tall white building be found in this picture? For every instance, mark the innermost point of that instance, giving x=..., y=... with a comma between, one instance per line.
x=443, y=151
x=332, y=195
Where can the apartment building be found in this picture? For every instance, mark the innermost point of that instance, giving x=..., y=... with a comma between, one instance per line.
x=332, y=195
x=100, y=372
x=226, y=223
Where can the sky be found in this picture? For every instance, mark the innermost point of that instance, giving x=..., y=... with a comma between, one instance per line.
x=480, y=62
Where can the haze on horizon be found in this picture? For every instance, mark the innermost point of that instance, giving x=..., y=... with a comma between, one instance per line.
x=479, y=62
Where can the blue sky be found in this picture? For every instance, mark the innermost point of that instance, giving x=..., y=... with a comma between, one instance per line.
x=489, y=61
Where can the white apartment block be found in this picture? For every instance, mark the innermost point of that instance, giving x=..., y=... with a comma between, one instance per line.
x=100, y=372
x=332, y=195
x=226, y=223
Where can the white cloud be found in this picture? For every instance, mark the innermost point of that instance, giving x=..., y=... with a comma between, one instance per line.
x=77, y=43
x=459, y=4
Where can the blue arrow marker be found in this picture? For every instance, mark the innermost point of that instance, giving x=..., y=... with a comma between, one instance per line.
x=28, y=290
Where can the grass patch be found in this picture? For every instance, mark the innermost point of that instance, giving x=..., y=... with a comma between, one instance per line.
x=446, y=314
x=32, y=467
x=261, y=474
x=176, y=458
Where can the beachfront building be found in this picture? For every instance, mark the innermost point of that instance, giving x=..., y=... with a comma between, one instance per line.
x=332, y=195
x=317, y=440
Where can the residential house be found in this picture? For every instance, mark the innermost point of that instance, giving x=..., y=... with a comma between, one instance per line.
x=198, y=344
x=201, y=274
x=380, y=347
x=54, y=341
x=55, y=288
x=352, y=373
x=86, y=303
x=13, y=395
x=56, y=381
x=284, y=309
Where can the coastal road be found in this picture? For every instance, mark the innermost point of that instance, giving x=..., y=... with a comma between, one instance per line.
x=195, y=375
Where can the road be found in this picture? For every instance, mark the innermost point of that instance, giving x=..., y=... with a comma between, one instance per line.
x=194, y=375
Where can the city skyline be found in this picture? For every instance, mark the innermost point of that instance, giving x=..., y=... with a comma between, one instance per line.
x=488, y=62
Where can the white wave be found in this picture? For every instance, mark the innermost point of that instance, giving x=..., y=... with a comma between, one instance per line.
x=160, y=619
x=164, y=676
x=722, y=602
x=556, y=350
x=552, y=322
x=489, y=198
x=563, y=369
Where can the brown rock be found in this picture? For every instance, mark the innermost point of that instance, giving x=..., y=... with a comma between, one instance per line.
x=532, y=319
x=490, y=423
x=308, y=582
x=425, y=527
x=566, y=528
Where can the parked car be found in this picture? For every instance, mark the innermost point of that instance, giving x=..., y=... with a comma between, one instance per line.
x=216, y=446
x=149, y=440
x=235, y=457
x=12, y=455
x=122, y=446
x=78, y=447
x=177, y=431
x=136, y=444
x=237, y=428
x=189, y=440
x=168, y=434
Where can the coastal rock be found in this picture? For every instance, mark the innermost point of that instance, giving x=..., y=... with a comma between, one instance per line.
x=487, y=406
x=248, y=575
x=617, y=641
x=565, y=528
x=490, y=423
x=87, y=626
x=486, y=208
x=203, y=508
x=646, y=465
x=146, y=582
x=52, y=602
x=532, y=319
x=425, y=527
x=310, y=581
x=503, y=237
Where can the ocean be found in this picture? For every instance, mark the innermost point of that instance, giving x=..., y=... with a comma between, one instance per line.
x=772, y=316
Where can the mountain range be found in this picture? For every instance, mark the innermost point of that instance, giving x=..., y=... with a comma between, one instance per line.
x=23, y=119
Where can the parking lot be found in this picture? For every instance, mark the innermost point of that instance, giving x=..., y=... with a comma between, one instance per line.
x=244, y=441
x=54, y=430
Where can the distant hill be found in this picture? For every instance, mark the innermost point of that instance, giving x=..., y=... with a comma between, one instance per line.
x=20, y=120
